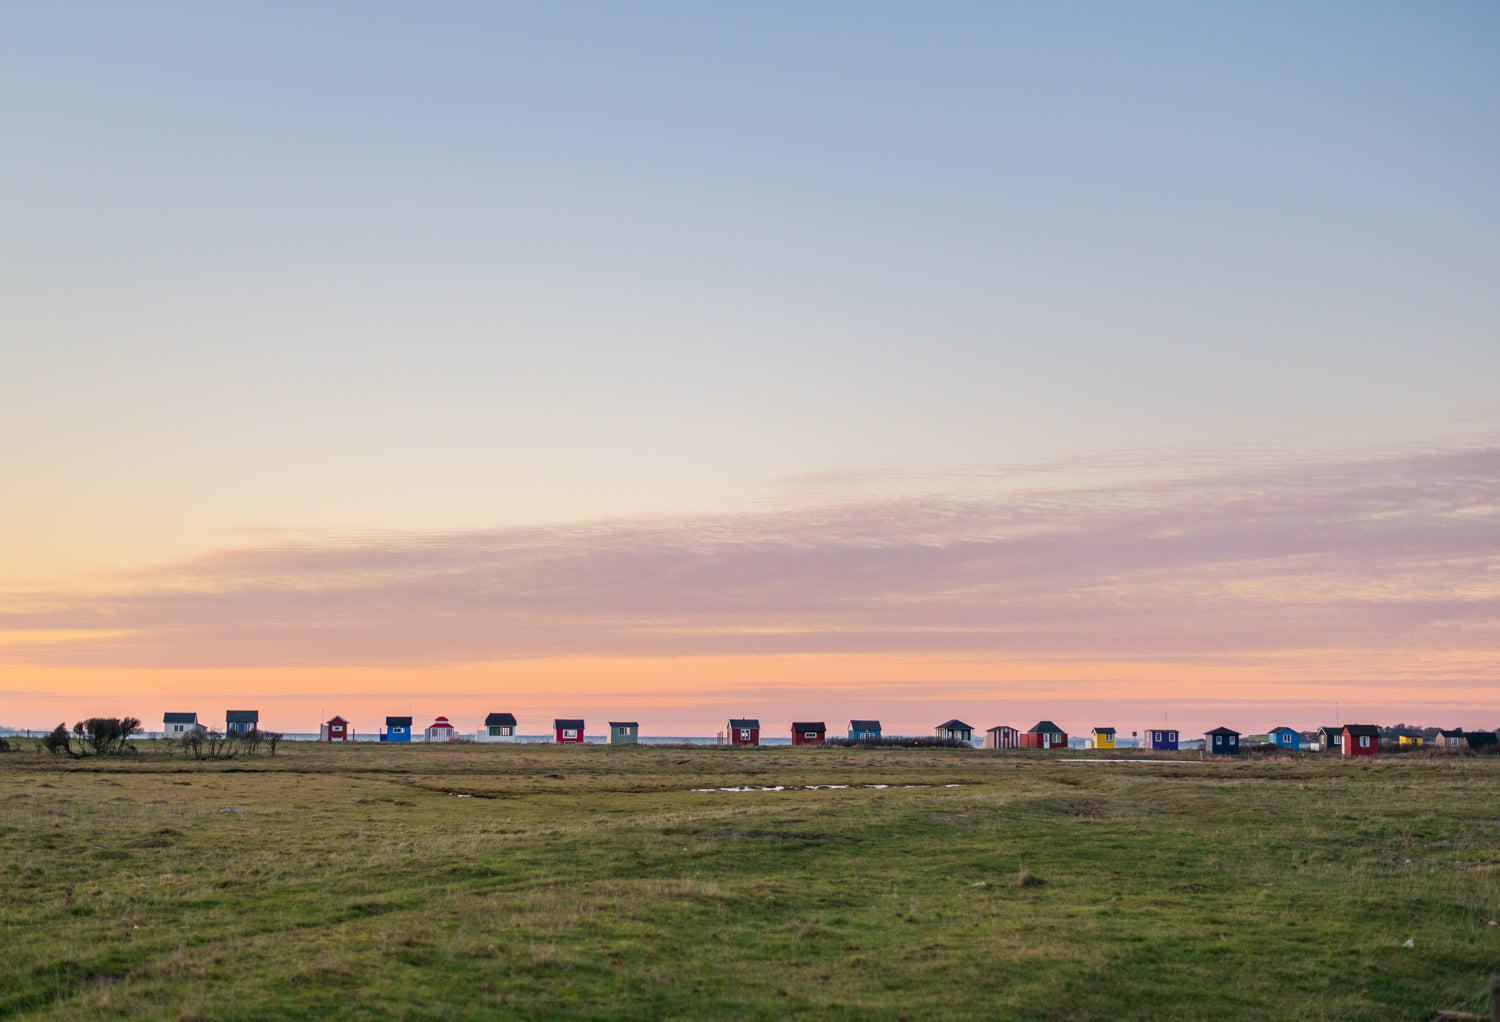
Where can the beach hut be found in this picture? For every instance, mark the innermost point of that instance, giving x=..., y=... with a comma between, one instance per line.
x=1223, y=741
x=744, y=731
x=1481, y=739
x=1450, y=738
x=1002, y=736
x=1104, y=737
x=955, y=731
x=1163, y=738
x=1284, y=738
x=440, y=730
x=497, y=727
x=1408, y=736
x=624, y=732
x=1360, y=740
x=1045, y=735
x=568, y=731
x=175, y=725
x=334, y=729
x=238, y=723
x=808, y=732
x=861, y=729
x=397, y=729
x=1330, y=737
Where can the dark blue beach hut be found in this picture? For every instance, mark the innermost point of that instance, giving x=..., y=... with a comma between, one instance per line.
x=1223, y=741
x=1163, y=738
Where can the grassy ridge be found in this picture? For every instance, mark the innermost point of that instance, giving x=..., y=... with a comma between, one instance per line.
x=418, y=882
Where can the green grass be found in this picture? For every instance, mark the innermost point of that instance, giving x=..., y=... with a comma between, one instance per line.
x=352, y=882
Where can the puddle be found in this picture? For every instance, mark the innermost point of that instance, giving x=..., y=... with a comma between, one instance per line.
x=817, y=787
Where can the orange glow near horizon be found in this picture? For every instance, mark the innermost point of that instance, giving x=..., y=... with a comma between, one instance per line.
x=693, y=695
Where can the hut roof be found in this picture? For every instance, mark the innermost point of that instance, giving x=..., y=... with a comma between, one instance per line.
x=495, y=719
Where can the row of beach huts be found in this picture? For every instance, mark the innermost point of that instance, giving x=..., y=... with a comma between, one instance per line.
x=1348, y=739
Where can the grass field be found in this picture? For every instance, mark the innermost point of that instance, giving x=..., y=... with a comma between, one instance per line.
x=360, y=882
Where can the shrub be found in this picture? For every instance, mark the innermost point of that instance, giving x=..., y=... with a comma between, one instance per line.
x=57, y=742
x=105, y=735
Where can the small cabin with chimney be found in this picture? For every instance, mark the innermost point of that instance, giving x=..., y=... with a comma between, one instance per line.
x=744, y=731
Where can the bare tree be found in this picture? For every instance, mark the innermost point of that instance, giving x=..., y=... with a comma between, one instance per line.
x=273, y=739
x=192, y=743
x=216, y=742
x=252, y=740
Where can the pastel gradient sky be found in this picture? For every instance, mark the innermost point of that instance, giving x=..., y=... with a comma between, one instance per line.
x=675, y=361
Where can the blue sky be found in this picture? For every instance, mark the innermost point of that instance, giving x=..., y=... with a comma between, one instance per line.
x=364, y=268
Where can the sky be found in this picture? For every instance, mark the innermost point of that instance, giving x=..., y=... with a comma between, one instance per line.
x=1113, y=364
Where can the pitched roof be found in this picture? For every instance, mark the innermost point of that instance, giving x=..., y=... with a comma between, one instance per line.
x=336, y=719
x=398, y=722
x=1479, y=739
x=440, y=723
x=808, y=725
x=572, y=723
x=1000, y=727
x=735, y=722
x=1104, y=730
x=495, y=719
x=624, y=723
x=1044, y=727
x=955, y=725
x=242, y=717
x=864, y=725
x=1457, y=732
x=1278, y=730
x=1223, y=731
x=180, y=718
x=1363, y=729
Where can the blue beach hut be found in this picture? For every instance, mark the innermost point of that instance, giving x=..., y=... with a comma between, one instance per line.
x=1285, y=738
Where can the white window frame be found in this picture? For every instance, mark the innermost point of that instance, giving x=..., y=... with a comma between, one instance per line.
x=745, y=734
x=570, y=732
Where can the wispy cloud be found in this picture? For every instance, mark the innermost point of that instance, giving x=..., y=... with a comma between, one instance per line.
x=1399, y=553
